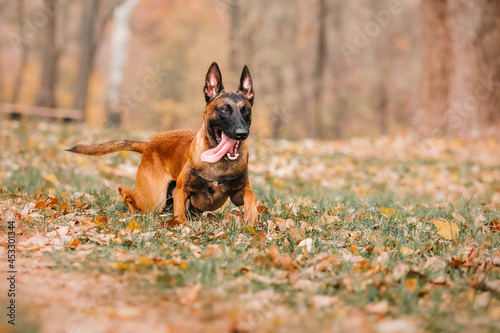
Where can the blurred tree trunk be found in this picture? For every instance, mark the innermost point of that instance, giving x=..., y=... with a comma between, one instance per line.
x=248, y=33
x=436, y=57
x=319, y=71
x=460, y=88
x=1, y=77
x=383, y=53
x=120, y=35
x=87, y=51
x=18, y=83
x=46, y=92
x=234, y=35
x=382, y=108
x=339, y=72
x=278, y=118
x=474, y=90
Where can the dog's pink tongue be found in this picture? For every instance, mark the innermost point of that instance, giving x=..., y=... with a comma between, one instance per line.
x=214, y=155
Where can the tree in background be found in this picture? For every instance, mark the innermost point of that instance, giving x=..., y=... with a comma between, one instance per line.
x=235, y=35
x=460, y=87
x=87, y=52
x=2, y=72
x=474, y=86
x=319, y=71
x=46, y=92
x=306, y=86
x=95, y=16
x=1, y=76
x=338, y=72
x=24, y=55
x=434, y=89
x=120, y=36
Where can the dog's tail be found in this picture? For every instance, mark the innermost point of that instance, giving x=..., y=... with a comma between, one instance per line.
x=109, y=147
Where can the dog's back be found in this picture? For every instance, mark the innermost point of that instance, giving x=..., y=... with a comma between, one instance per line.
x=169, y=149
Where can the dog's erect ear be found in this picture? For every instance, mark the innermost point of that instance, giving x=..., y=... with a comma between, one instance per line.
x=213, y=83
x=246, y=85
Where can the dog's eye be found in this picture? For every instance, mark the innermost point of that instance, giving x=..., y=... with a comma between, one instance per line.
x=223, y=110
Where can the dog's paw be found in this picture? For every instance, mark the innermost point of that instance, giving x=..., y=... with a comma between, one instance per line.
x=251, y=217
x=172, y=223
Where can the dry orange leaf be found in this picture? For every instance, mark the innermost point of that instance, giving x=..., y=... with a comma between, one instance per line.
x=295, y=234
x=494, y=225
x=74, y=243
x=210, y=216
x=262, y=209
x=63, y=206
x=40, y=204
x=101, y=221
x=259, y=238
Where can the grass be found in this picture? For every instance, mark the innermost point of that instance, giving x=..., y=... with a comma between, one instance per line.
x=348, y=240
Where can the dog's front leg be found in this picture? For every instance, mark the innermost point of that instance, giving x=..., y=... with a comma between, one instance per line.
x=249, y=200
x=180, y=199
x=181, y=196
x=250, y=215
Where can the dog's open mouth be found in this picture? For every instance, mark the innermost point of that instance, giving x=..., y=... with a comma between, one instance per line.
x=225, y=147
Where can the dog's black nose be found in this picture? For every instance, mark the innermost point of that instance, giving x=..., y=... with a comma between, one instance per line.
x=241, y=134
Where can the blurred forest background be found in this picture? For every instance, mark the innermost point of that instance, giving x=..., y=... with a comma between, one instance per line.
x=325, y=69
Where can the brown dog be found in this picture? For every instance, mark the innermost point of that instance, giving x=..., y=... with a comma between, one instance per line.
x=202, y=169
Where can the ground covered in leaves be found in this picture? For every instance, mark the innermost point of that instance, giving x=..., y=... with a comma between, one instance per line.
x=365, y=235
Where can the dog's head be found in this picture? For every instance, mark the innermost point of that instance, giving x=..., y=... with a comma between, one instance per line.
x=228, y=113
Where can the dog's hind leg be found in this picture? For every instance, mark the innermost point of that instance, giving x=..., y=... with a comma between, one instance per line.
x=150, y=192
x=128, y=198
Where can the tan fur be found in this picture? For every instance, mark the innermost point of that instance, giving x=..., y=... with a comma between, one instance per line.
x=109, y=147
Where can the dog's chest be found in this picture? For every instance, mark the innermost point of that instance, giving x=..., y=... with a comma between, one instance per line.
x=210, y=191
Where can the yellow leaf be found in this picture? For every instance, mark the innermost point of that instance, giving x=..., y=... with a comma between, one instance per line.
x=406, y=251
x=411, y=284
x=145, y=261
x=388, y=212
x=91, y=312
x=446, y=229
x=52, y=179
x=124, y=154
x=124, y=266
x=251, y=229
x=279, y=183
x=133, y=225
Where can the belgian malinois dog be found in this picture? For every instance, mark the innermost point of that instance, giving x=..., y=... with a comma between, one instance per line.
x=199, y=169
